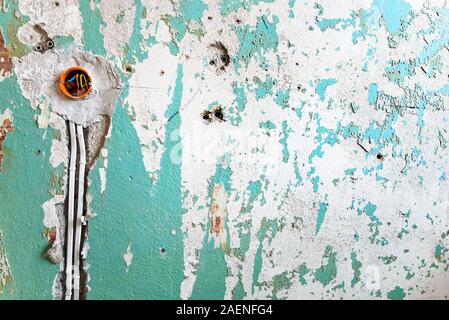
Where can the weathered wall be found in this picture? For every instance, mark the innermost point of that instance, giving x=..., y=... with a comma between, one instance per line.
x=258, y=149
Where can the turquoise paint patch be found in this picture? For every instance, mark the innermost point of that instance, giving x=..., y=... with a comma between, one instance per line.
x=321, y=215
x=257, y=266
x=286, y=130
x=135, y=50
x=266, y=225
x=211, y=273
x=369, y=210
x=92, y=22
x=267, y=125
x=192, y=9
x=325, y=136
x=356, y=267
x=325, y=24
x=152, y=225
x=238, y=293
x=254, y=190
x=228, y=6
x=212, y=268
x=327, y=272
x=264, y=88
x=291, y=5
x=21, y=220
x=282, y=97
x=322, y=85
x=298, y=176
x=372, y=94
x=239, y=103
x=255, y=41
x=396, y=294
x=394, y=13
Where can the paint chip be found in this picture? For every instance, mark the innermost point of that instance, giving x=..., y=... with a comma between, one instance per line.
x=128, y=257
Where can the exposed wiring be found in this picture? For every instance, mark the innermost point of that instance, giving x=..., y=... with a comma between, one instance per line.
x=70, y=215
x=79, y=213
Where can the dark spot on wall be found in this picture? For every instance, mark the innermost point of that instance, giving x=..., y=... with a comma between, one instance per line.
x=219, y=56
x=207, y=116
x=215, y=225
x=38, y=152
x=162, y=72
x=46, y=43
x=380, y=156
x=162, y=250
x=216, y=114
x=129, y=68
x=57, y=3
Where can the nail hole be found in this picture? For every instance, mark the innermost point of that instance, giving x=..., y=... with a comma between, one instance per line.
x=128, y=68
x=38, y=48
x=218, y=114
x=50, y=44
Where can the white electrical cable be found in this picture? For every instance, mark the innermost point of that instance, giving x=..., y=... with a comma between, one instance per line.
x=71, y=209
x=79, y=213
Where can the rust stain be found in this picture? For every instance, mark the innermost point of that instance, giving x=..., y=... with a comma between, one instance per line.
x=216, y=226
x=218, y=214
x=5, y=128
x=5, y=57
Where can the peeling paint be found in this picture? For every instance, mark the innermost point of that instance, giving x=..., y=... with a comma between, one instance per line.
x=251, y=149
x=6, y=127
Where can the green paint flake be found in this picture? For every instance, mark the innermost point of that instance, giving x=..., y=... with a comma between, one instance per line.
x=267, y=125
x=179, y=25
x=156, y=210
x=281, y=282
x=228, y=6
x=320, y=216
x=282, y=97
x=211, y=274
x=302, y=271
x=10, y=22
x=322, y=86
x=394, y=13
x=396, y=294
x=327, y=272
x=356, y=267
x=21, y=221
x=92, y=23
x=255, y=41
x=440, y=250
x=257, y=266
x=388, y=259
x=238, y=293
x=286, y=130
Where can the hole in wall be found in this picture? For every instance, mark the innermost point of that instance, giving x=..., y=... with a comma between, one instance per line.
x=216, y=114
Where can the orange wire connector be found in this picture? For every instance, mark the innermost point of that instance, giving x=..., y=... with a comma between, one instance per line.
x=75, y=83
